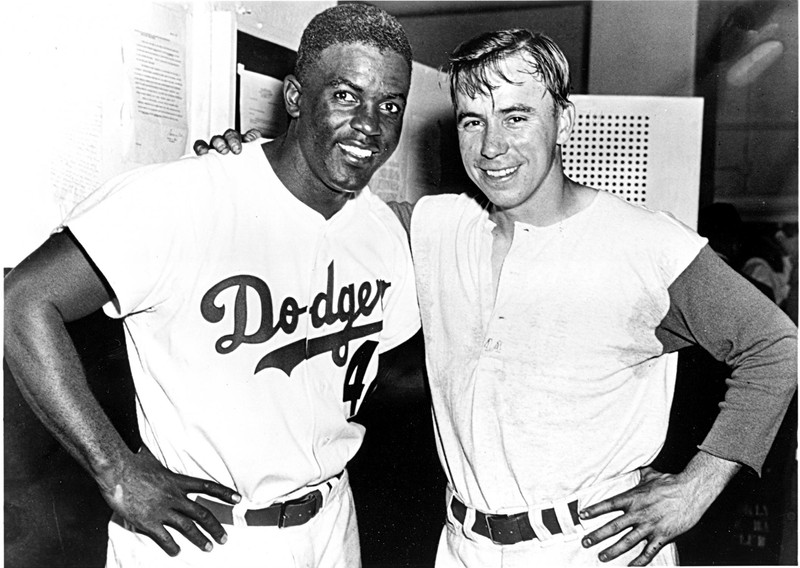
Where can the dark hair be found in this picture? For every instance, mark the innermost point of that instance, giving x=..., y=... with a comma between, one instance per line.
x=474, y=60
x=350, y=23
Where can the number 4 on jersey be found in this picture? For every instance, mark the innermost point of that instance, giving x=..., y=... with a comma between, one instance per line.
x=354, y=379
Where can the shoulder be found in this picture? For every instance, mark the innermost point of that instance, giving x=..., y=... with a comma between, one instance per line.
x=647, y=225
x=154, y=189
x=184, y=170
x=382, y=215
x=118, y=187
x=442, y=219
x=446, y=207
x=650, y=242
x=445, y=200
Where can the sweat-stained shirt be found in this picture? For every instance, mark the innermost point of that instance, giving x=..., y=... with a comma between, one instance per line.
x=565, y=379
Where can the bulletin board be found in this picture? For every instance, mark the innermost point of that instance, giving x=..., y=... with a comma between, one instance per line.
x=261, y=67
x=267, y=37
x=110, y=87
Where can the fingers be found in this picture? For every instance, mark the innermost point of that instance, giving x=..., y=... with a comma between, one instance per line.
x=630, y=541
x=229, y=141
x=639, y=530
x=623, y=545
x=252, y=134
x=195, y=485
x=651, y=514
x=220, y=144
x=607, y=531
x=234, y=140
x=648, y=553
x=163, y=539
x=648, y=474
x=187, y=526
x=202, y=516
x=197, y=514
x=187, y=518
x=616, y=503
x=200, y=147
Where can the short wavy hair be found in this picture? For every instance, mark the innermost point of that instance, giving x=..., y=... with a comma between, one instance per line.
x=350, y=23
x=473, y=61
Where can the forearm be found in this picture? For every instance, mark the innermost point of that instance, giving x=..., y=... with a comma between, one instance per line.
x=46, y=366
x=707, y=475
x=755, y=404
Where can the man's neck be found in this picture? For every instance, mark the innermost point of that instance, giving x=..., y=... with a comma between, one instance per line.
x=289, y=166
x=546, y=207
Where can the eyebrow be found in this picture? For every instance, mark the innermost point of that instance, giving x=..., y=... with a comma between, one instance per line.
x=519, y=107
x=342, y=81
x=462, y=115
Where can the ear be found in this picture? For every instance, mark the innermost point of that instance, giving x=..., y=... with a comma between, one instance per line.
x=292, y=91
x=566, y=122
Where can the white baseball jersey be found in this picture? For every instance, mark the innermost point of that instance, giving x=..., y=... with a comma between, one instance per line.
x=553, y=386
x=558, y=382
x=253, y=324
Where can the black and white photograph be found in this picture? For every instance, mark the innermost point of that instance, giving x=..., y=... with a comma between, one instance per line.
x=400, y=284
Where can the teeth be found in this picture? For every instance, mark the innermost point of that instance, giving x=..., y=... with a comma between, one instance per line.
x=355, y=151
x=500, y=173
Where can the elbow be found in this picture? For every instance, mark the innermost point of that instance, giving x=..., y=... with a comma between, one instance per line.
x=26, y=310
x=14, y=297
x=19, y=300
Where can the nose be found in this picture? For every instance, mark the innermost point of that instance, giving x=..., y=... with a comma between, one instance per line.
x=493, y=144
x=366, y=120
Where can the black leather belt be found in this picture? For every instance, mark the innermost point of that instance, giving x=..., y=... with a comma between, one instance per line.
x=511, y=529
x=287, y=514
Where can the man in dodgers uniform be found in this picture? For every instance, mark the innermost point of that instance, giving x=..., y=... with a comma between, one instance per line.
x=257, y=292
x=549, y=312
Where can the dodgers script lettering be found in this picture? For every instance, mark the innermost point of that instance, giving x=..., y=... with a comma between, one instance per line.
x=346, y=304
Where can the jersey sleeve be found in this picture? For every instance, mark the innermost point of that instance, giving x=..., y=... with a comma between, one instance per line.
x=714, y=307
x=137, y=231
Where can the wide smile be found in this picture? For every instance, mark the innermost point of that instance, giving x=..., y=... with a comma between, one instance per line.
x=500, y=174
x=356, y=154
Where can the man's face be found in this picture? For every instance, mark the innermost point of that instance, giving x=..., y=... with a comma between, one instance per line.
x=508, y=139
x=351, y=114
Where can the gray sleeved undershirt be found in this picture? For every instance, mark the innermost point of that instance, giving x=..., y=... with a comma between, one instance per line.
x=714, y=307
x=403, y=210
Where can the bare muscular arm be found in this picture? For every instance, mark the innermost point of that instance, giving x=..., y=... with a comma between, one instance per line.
x=54, y=285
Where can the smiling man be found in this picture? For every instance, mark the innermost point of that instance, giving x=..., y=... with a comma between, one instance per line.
x=257, y=293
x=548, y=310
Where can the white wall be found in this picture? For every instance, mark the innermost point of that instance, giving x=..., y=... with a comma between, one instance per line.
x=62, y=62
x=46, y=53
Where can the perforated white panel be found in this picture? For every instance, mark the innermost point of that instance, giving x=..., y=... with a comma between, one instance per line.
x=644, y=149
x=612, y=153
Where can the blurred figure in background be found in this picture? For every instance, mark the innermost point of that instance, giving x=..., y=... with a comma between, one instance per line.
x=766, y=259
x=722, y=225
